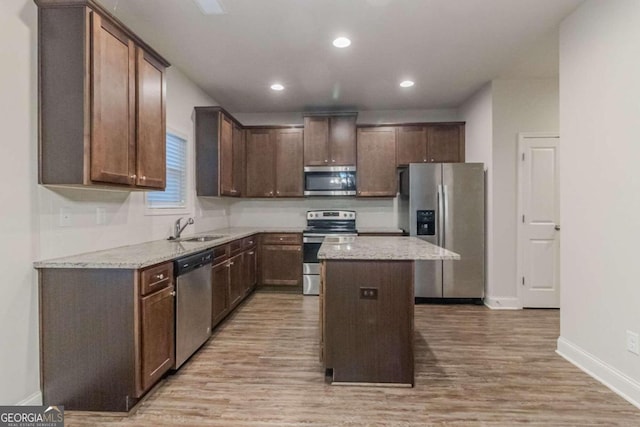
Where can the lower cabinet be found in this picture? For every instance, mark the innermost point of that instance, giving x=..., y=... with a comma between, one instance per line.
x=107, y=335
x=233, y=276
x=281, y=259
x=157, y=335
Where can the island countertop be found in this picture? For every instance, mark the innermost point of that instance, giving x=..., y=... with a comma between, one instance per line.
x=382, y=248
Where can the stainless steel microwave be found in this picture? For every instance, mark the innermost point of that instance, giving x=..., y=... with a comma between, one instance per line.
x=330, y=181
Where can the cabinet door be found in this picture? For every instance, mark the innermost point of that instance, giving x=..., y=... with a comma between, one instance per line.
x=316, y=141
x=412, y=145
x=220, y=292
x=260, y=163
x=281, y=265
x=250, y=269
x=236, y=283
x=445, y=143
x=377, y=162
x=157, y=335
x=113, y=104
x=342, y=140
x=226, y=156
x=238, y=161
x=151, y=128
x=289, y=169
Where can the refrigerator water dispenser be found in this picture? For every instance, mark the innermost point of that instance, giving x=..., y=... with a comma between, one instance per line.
x=426, y=223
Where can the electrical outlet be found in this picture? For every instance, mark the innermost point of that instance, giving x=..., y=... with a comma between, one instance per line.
x=101, y=216
x=65, y=217
x=633, y=343
x=369, y=293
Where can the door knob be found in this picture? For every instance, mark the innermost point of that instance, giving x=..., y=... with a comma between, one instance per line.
x=557, y=227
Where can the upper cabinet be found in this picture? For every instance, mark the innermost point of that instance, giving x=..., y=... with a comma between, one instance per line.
x=330, y=140
x=102, y=95
x=219, y=153
x=433, y=143
x=274, y=162
x=376, y=162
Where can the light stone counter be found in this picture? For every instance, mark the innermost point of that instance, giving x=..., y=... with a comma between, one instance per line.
x=150, y=253
x=379, y=230
x=382, y=248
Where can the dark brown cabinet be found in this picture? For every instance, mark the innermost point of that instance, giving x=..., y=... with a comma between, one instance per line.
x=219, y=153
x=108, y=348
x=251, y=269
x=434, y=143
x=274, y=162
x=330, y=140
x=236, y=279
x=377, y=162
x=281, y=259
x=157, y=336
x=220, y=281
x=102, y=108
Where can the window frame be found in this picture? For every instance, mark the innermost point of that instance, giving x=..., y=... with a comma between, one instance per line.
x=187, y=208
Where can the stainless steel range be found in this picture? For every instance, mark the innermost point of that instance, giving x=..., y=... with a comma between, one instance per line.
x=319, y=225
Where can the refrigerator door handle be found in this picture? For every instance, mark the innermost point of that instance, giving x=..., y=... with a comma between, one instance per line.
x=440, y=216
x=445, y=213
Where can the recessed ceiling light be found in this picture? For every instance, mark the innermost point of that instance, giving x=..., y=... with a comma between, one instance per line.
x=210, y=7
x=342, y=42
x=277, y=86
x=407, y=83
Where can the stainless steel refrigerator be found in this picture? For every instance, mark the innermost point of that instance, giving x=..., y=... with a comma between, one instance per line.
x=444, y=204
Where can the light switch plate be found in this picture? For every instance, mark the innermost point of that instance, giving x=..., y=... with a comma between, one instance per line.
x=633, y=343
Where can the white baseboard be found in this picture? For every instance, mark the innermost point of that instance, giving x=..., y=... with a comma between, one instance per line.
x=500, y=303
x=34, y=400
x=619, y=383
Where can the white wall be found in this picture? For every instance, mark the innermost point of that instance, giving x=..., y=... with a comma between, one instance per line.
x=600, y=190
x=19, y=374
x=477, y=112
x=518, y=106
x=30, y=226
x=364, y=117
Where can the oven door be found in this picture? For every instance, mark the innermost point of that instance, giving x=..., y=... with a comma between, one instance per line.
x=311, y=266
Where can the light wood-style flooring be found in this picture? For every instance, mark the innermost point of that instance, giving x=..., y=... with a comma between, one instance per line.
x=474, y=367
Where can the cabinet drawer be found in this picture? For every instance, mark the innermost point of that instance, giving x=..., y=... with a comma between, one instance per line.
x=235, y=246
x=249, y=242
x=220, y=253
x=155, y=278
x=281, y=239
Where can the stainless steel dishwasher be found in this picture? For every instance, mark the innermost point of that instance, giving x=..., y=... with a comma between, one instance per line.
x=193, y=304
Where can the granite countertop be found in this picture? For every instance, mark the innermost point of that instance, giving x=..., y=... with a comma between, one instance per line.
x=382, y=248
x=379, y=230
x=150, y=253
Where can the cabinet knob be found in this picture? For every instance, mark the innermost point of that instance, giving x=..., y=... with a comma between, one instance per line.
x=326, y=161
x=333, y=161
x=424, y=160
x=160, y=276
x=251, y=253
x=173, y=293
x=281, y=238
x=271, y=193
x=230, y=264
x=133, y=176
x=143, y=177
x=432, y=159
x=277, y=192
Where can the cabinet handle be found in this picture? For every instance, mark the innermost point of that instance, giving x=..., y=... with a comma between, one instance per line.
x=251, y=253
x=173, y=293
x=333, y=161
x=160, y=276
x=143, y=177
x=133, y=176
x=326, y=161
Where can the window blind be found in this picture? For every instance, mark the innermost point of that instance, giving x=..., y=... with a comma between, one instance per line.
x=174, y=195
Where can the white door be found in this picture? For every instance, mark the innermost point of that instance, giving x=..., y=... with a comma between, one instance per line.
x=539, y=222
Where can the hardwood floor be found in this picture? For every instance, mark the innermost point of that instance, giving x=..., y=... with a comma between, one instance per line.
x=474, y=367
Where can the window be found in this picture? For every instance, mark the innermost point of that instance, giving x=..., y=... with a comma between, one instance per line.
x=175, y=194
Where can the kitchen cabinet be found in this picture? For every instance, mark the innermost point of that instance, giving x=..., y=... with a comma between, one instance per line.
x=274, y=162
x=250, y=263
x=220, y=284
x=433, y=143
x=102, y=96
x=236, y=279
x=219, y=153
x=376, y=162
x=330, y=140
x=107, y=335
x=281, y=259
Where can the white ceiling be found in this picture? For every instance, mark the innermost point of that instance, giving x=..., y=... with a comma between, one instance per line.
x=449, y=47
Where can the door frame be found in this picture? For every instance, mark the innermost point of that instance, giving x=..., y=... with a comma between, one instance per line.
x=522, y=136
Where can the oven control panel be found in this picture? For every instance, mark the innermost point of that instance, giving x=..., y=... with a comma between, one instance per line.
x=337, y=215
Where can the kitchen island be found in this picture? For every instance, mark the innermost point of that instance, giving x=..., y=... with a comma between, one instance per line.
x=366, y=307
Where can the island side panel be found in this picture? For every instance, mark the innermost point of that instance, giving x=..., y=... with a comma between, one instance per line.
x=87, y=328
x=369, y=339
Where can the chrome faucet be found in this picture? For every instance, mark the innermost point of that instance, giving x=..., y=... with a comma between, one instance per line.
x=177, y=229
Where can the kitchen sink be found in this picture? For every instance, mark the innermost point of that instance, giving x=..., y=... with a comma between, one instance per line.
x=201, y=238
